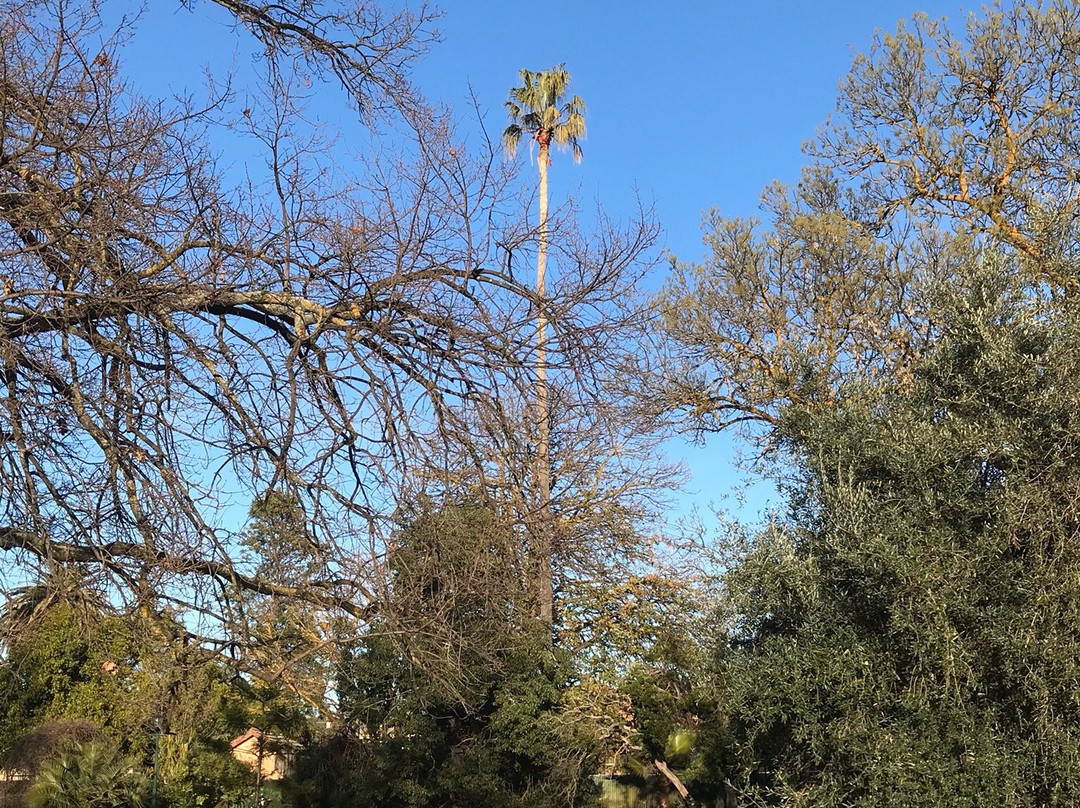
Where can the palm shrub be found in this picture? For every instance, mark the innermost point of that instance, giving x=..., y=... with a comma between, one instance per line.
x=89, y=775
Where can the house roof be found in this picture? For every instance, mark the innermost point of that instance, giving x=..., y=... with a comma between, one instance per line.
x=247, y=736
x=277, y=741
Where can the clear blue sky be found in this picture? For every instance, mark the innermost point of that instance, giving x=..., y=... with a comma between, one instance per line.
x=692, y=103
x=697, y=103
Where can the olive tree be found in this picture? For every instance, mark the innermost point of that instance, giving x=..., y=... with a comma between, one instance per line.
x=901, y=332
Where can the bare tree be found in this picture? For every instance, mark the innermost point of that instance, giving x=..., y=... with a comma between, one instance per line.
x=368, y=49
x=174, y=345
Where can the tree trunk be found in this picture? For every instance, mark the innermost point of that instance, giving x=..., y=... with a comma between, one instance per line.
x=542, y=539
x=673, y=778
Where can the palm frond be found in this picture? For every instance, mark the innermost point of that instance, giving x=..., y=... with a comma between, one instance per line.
x=511, y=137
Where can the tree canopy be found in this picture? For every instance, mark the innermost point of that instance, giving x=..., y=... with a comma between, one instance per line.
x=898, y=337
x=286, y=454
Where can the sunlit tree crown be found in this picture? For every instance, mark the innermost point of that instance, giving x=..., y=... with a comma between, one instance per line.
x=538, y=107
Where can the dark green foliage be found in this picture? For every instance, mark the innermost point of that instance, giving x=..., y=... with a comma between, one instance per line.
x=456, y=596
x=676, y=724
x=278, y=535
x=74, y=673
x=412, y=745
x=56, y=667
x=909, y=637
x=658, y=712
x=456, y=699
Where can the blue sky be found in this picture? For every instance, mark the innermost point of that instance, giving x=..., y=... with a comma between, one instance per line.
x=696, y=104
x=692, y=105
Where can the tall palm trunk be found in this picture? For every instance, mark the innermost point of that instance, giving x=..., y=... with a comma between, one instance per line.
x=544, y=535
x=539, y=108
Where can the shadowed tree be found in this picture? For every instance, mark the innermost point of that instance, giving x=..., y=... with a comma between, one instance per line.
x=539, y=108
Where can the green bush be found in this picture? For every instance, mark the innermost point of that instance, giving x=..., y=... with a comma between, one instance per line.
x=89, y=775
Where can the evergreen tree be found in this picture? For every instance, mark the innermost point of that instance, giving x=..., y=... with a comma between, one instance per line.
x=456, y=698
x=908, y=636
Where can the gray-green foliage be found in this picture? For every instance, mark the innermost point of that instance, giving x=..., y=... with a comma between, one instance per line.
x=909, y=636
x=905, y=329
x=942, y=137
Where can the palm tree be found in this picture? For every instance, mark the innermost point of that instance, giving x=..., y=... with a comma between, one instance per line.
x=538, y=108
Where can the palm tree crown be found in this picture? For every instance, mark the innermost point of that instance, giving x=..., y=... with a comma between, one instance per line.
x=535, y=108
